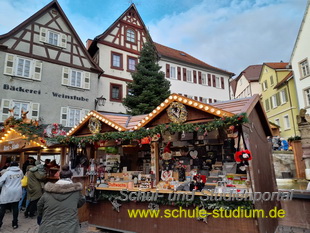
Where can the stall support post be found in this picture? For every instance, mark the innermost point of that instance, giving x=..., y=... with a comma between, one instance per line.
x=63, y=158
x=156, y=155
x=22, y=159
x=39, y=155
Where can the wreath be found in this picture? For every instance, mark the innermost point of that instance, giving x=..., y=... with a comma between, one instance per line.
x=94, y=125
x=177, y=112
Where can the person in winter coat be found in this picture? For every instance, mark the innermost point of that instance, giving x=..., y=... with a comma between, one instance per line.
x=58, y=207
x=36, y=176
x=11, y=192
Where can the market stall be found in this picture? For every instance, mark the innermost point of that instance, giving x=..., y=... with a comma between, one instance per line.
x=182, y=146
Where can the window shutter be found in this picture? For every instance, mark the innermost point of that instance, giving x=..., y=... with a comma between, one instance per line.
x=199, y=77
x=34, y=110
x=271, y=103
x=285, y=94
x=213, y=80
x=222, y=83
x=65, y=76
x=184, y=74
x=210, y=100
x=9, y=64
x=209, y=79
x=5, y=106
x=43, y=34
x=167, y=71
x=278, y=99
x=267, y=104
x=63, y=41
x=214, y=100
x=37, y=70
x=179, y=73
x=195, y=76
x=63, y=116
x=200, y=99
x=86, y=83
x=195, y=98
x=185, y=95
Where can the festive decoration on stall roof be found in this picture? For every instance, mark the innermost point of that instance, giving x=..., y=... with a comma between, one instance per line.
x=177, y=112
x=245, y=154
x=217, y=123
x=94, y=125
x=54, y=130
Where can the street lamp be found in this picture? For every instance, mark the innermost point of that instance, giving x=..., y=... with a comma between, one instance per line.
x=100, y=101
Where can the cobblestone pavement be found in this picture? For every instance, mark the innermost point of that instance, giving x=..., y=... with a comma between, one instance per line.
x=29, y=225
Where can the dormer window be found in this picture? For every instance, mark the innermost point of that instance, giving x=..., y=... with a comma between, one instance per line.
x=131, y=36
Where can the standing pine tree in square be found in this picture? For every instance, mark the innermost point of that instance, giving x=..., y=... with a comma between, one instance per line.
x=149, y=87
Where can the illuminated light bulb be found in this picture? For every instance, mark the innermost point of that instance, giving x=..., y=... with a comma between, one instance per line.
x=100, y=118
x=200, y=106
x=175, y=97
x=116, y=127
x=68, y=134
x=180, y=99
x=162, y=104
x=170, y=97
x=109, y=123
x=151, y=114
x=218, y=112
x=158, y=108
x=135, y=127
x=97, y=116
x=5, y=135
x=146, y=118
x=206, y=108
x=154, y=111
x=139, y=124
x=2, y=138
x=190, y=102
x=166, y=101
x=89, y=113
x=212, y=110
x=119, y=129
x=113, y=125
x=185, y=101
x=143, y=121
x=195, y=104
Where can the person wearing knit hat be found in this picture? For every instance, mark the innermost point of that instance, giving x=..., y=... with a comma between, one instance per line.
x=58, y=207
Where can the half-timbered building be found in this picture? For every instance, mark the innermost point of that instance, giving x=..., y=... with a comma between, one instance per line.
x=117, y=50
x=46, y=70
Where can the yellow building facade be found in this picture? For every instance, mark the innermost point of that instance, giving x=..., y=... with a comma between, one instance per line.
x=279, y=97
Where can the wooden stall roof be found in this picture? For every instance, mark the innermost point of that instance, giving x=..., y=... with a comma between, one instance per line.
x=13, y=141
x=113, y=122
x=207, y=108
x=246, y=105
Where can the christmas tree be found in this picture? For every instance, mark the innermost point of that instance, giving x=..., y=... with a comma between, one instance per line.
x=149, y=87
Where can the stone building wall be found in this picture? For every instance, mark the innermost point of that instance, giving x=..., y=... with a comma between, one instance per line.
x=283, y=162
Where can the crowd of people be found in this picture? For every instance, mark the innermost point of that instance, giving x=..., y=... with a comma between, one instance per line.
x=279, y=143
x=53, y=204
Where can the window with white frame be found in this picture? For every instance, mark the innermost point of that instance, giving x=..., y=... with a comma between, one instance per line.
x=172, y=72
x=205, y=100
x=75, y=78
x=189, y=77
x=274, y=101
x=204, y=79
x=265, y=85
x=277, y=122
x=271, y=80
x=18, y=107
x=53, y=37
x=287, y=124
x=71, y=116
x=22, y=67
x=131, y=35
x=307, y=96
x=283, y=96
x=304, y=67
x=217, y=82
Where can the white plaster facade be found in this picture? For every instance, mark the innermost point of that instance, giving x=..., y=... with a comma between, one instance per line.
x=300, y=60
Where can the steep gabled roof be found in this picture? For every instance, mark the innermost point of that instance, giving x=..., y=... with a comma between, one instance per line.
x=251, y=73
x=277, y=65
x=44, y=10
x=186, y=101
x=178, y=55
